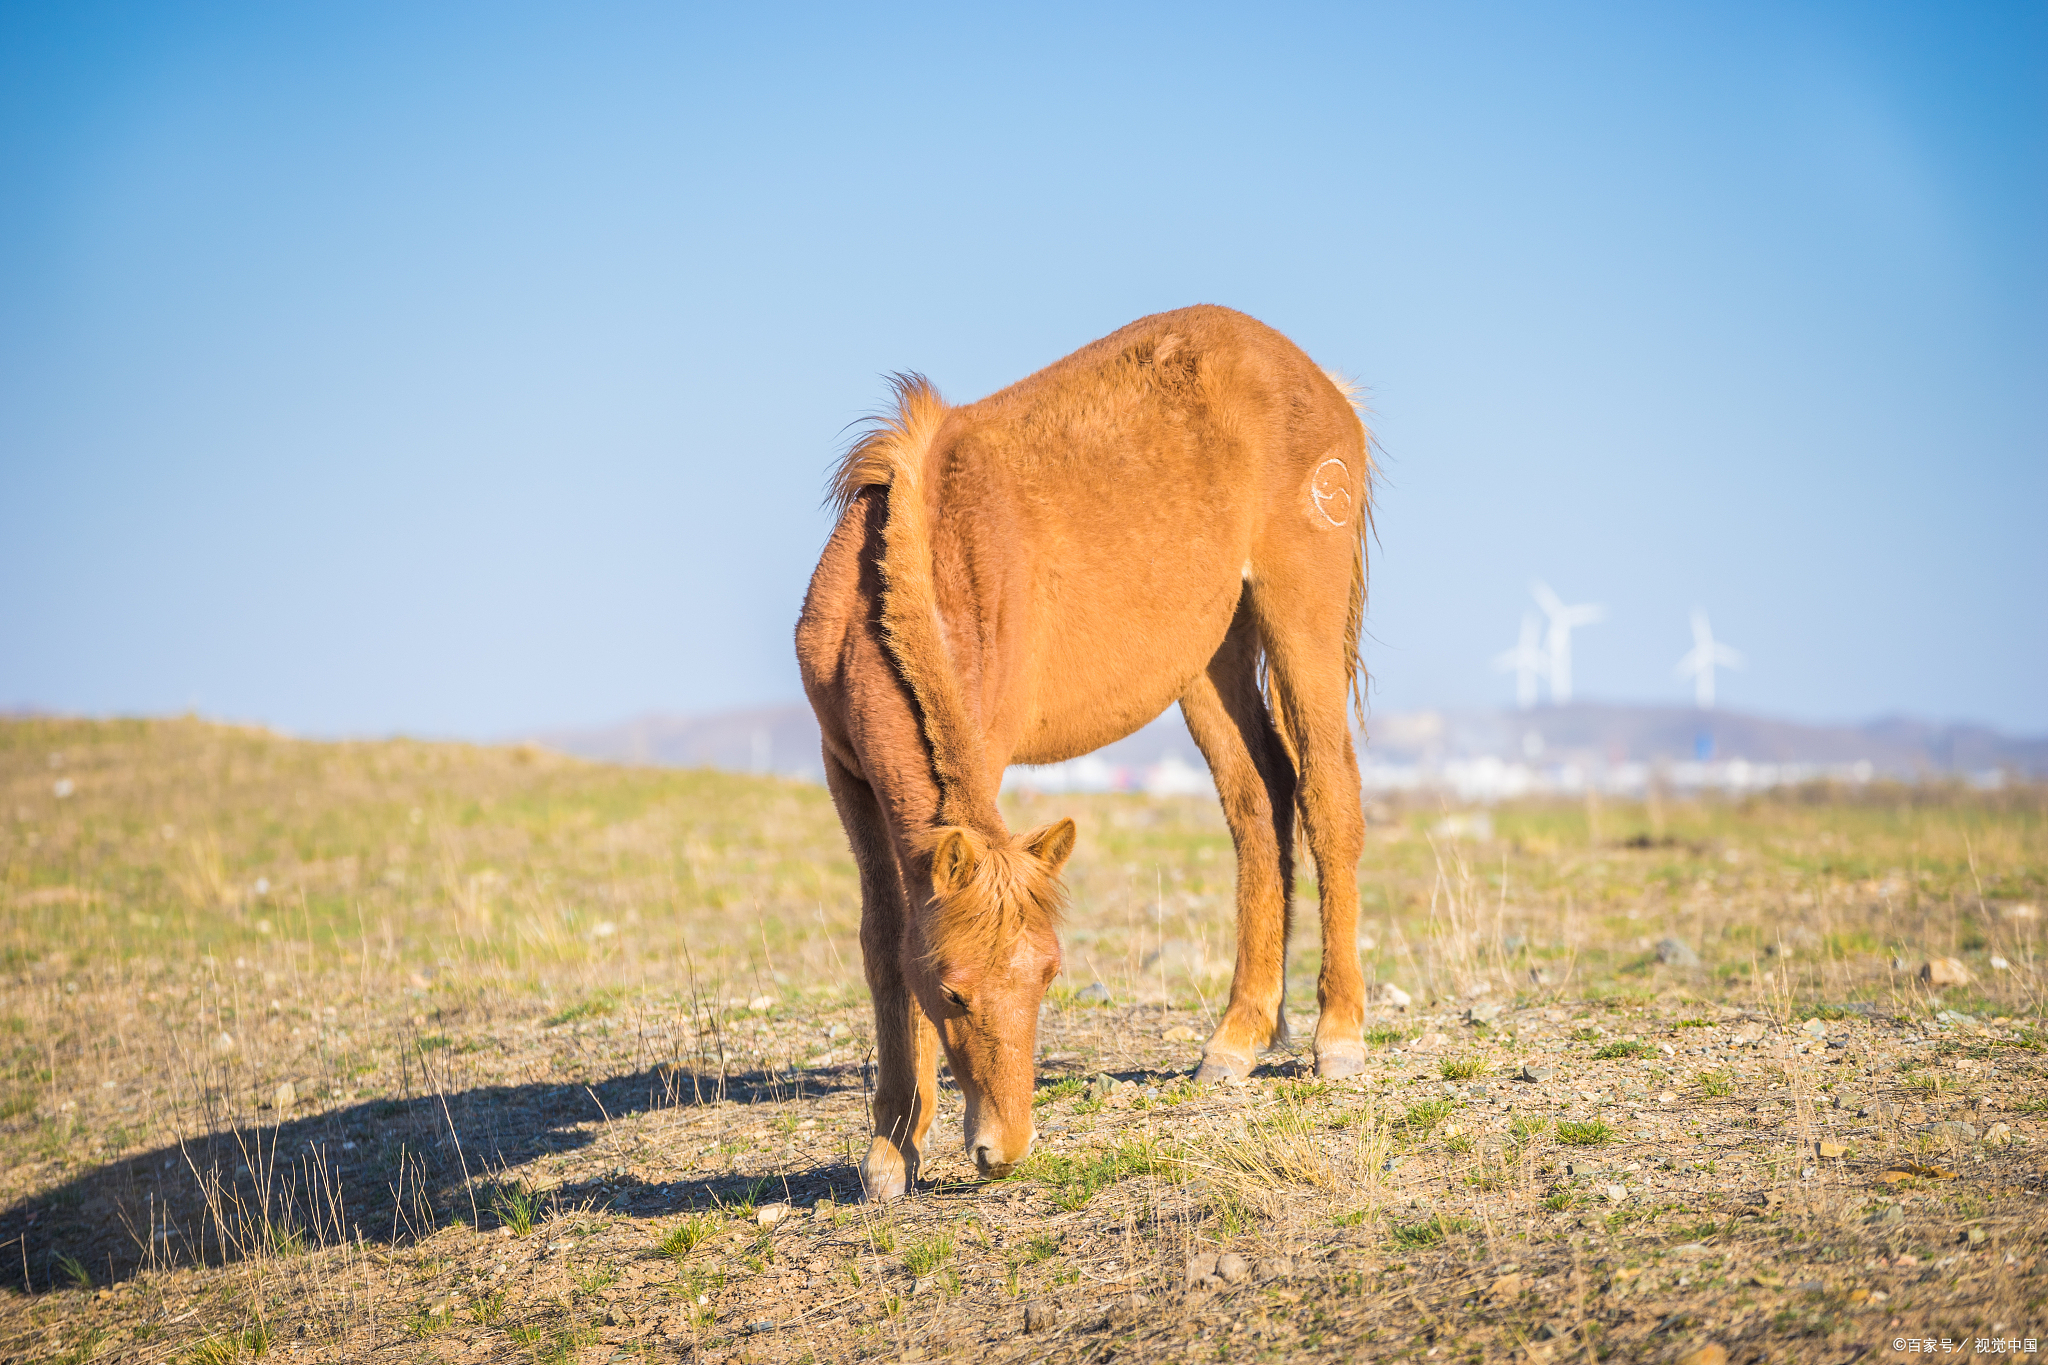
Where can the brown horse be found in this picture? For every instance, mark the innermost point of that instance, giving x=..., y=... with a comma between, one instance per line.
x=1173, y=513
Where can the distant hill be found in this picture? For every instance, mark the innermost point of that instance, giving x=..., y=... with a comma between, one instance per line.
x=1478, y=753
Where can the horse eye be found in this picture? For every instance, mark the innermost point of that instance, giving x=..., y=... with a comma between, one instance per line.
x=959, y=1002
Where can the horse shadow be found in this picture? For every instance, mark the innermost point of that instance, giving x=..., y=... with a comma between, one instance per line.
x=380, y=1171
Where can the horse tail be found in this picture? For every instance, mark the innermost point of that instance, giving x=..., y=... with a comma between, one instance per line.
x=1355, y=679
x=892, y=453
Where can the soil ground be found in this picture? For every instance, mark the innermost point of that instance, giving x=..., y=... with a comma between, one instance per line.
x=430, y=1052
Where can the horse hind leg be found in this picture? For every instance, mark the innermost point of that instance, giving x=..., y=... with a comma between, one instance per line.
x=1255, y=782
x=1303, y=645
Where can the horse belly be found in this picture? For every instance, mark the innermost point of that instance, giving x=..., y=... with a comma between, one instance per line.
x=1108, y=667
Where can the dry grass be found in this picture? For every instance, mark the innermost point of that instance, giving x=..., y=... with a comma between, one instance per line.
x=467, y=1053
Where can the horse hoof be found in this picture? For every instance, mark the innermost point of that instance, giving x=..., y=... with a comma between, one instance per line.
x=1344, y=1059
x=880, y=1186
x=1222, y=1070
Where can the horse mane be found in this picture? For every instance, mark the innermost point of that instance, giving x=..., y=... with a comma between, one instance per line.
x=1009, y=895
x=891, y=453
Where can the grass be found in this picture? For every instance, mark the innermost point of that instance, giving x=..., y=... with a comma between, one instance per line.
x=686, y=1236
x=922, y=1257
x=1426, y=1117
x=1615, y=1051
x=1584, y=1133
x=1064, y=1089
x=1426, y=1233
x=1716, y=1084
x=516, y=1207
x=1077, y=1179
x=1461, y=1068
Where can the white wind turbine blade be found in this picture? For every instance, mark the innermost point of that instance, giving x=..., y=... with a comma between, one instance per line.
x=1526, y=660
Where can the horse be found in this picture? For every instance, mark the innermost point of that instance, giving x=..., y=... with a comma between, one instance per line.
x=1176, y=512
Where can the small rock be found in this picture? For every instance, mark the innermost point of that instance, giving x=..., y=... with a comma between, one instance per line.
x=1547, y=1332
x=1179, y=1033
x=1094, y=993
x=1817, y=1027
x=285, y=1096
x=1387, y=993
x=1667, y=1097
x=225, y=1042
x=1201, y=1268
x=1508, y=1287
x=1273, y=1268
x=1542, y=976
x=1484, y=1013
x=1675, y=952
x=1945, y=971
x=1950, y=1128
x=1040, y=1317
x=921, y=1284
x=1430, y=1042
x=1615, y=1193
x=1532, y=1072
x=1707, y=1353
x=768, y=1215
x=1583, y=1168
x=1231, y=1267
x=1998, y=1134
x=1690, y=1249
x=1828, y=1151
x=1975, y=1237
x=1891, y=1213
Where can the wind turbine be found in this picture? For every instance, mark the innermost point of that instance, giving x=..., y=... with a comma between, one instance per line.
x=1557, y=641
x=1526, y=661
x=1706, y=655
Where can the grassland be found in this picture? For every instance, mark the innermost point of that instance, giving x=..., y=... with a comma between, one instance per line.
x=433, y=1051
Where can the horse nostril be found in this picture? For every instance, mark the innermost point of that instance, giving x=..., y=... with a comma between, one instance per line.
x=985, y=1161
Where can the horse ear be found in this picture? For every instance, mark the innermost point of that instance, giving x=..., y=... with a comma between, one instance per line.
x=1052, y=843
x=953, y=861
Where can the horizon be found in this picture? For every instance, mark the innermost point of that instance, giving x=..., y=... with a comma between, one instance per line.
x=444, y=373
x=524, y=733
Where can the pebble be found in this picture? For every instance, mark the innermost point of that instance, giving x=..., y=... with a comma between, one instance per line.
x=1532, y=1072
x=1950, y=1128
x=768, y=1215
x=1675, y=952
x=1094, y=993
x=1040, y=1317
x=1483, y=1013
x=1615, y=1193
x=1231, y=1267
x=1708, y=1353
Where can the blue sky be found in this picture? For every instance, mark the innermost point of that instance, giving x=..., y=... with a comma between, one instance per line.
x=456, y=370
